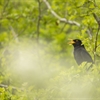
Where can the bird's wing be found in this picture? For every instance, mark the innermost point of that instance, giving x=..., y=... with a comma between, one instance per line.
x=85, y=55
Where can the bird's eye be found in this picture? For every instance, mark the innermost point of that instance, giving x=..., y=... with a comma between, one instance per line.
x=76, y=40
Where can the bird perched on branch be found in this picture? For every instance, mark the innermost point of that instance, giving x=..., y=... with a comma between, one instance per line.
x=80, y=53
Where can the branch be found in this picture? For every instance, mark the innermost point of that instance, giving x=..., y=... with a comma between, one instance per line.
x=3, y=86
x=95, y=3
x=64, y=20
x=97, y=19
x=60, y=18
x=89, y=32
x=13, y=87
x=39, y=18
x=4, y=7
x=96, y=38
x=14, y=34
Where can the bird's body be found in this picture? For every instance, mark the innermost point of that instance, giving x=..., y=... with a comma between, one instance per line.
x=80, y=53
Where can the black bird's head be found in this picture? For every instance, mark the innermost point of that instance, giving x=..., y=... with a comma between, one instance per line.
x=76, y=42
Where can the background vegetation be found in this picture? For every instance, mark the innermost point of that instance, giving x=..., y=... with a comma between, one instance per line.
x=36, y=61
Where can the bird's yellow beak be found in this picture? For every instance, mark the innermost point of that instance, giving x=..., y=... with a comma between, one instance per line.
x=71, y=42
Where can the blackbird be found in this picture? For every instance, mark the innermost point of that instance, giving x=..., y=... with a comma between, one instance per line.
x=80, y=53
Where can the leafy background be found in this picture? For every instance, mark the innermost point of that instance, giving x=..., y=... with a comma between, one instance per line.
x=36, y=61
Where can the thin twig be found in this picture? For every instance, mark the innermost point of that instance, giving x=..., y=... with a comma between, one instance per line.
x=95, y=3
x=60, y=18
x=89, y=32
x=96, y=38
x=13, y=87
x=63, y=28
x=95, y=46
x=3, y=86
x=5, y=6
x=39, y=19
x=14, y=34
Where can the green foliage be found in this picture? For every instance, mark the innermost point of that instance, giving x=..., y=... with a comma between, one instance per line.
x=36, y=61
